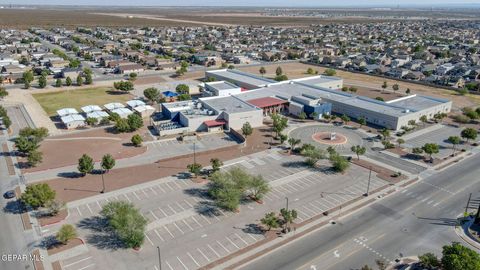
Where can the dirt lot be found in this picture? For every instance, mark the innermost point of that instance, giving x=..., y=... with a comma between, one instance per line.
x=60, y=151
x=370, y=85
x=70, y=189
x=53, y=101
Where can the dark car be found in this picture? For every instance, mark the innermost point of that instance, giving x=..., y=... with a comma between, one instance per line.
x=9, y=194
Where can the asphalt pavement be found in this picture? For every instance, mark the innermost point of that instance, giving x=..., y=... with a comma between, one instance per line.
x=412, y=221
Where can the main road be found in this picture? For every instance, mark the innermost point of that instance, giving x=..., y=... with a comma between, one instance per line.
x=414, y=220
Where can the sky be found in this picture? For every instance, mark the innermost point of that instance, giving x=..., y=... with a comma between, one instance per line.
x=291, y=3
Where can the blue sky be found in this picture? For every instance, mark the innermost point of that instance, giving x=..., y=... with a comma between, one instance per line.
x=296, y=3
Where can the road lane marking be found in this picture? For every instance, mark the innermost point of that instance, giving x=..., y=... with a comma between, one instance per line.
x=73, y=263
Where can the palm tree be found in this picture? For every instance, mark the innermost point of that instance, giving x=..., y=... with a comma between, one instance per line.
x=293, y=142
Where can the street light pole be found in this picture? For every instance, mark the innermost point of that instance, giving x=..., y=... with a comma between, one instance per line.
x=368, y=185
x=159, y=259
x=103, y=182
x=468, y=203
x=194, y=157
x=286, y=198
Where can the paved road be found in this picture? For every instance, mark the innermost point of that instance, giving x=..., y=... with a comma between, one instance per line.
x=413, y=221
x=402, y=164
x=12, y=238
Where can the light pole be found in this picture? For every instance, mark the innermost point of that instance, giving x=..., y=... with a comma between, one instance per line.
x=194, y=157
x=159, y=259
x=103, y=182
x=286, y=198
x=369, y=178
x=468, y=203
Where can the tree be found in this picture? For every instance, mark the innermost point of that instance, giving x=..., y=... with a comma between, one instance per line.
x=91, y=121
x=279, y=123
x=288, y=217
x=329, y=72
x=302, y=116
x=182, y=89
x=121, y=125
x=79, y=80
x=280, y=78
x=310, y=71
x=293, y=142
x=384, y=86
x=344, y=118
x=134, y=121
x=68, y=81
x=258, y=187
x=469, y=134
x=58, y=83
x=408, y=91
x=132, y=76
x=352, y=89
x=37, y=195
x=38, y=134
x=395, y=87
x=430, y=149
x=358, y=150
x=123, y=86
x=85, y=164
x=42, y=82
x=184, y=97
x=362, y=121
x=262, y=71
x=385, y=133
x=3, y=92
x=54, y=207
x=126, y=221
x=136, y=140
x=400, y=141
x=152, y=94
x=66, y=233
x=412, y=123
x=312, y=154
x=314, y=115
x=382, y=265
x=195, y=168
x=270, y=220
x=380, y=99
x=457, y=256
x=429, y=261
x=339, y=163
x=423, y=119
x=88, y=78
x=6, y=121
x=26, y=145
x=216, y=164
x=108, y=162
x=283, y=138
x=279, y=71
x=28, y=78
x=247, y=129
x=366, y=267
x=454, y=140
x=34, y=157
x=417, y=151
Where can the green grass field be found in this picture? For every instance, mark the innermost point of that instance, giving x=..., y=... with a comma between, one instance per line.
x=51, y=102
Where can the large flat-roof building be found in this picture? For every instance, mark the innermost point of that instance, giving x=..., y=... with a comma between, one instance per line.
x=313, y=96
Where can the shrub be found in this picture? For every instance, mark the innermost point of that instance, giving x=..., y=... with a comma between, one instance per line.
x=137, y=140
x=66, y=233
x=37, y=195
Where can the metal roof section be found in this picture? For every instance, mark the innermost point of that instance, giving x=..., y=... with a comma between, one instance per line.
x=221, y=85
x=230, y=104
x=236, y=75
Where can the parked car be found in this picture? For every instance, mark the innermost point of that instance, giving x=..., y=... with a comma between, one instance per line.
x=9, y=194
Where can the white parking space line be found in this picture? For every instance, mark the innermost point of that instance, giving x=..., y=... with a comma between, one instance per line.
x=148, y=238
x=89, y=209
x=180, y=187
x=204, y=256
x=254, y=239
x=79, y=212
x=169, y=266
x=146, y=195
x=193, y=259
x=181, y=207
x=154, y=216
x=128, y=199
x=303, y=213
x=206, y=219
x=312, y=205
x=189, y=204
x=99, y=206
x=309, y=210
x=88, y=266
x=167, y=184
x=214, y=251
x=184, y=266
x=171, y=234
x=188, y=225
x=136, y=195
x=246, y=243
x=196, y=221
x=159, y=236
x=235, y=245
x=169, y=206
x=153, y=190
x=163, y=212
x=178, y=228
x=81, y=260
x=160, y=187
x=220, y=244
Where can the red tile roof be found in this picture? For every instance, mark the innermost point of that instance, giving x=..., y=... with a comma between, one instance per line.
x=215, y=123
x=266, y=102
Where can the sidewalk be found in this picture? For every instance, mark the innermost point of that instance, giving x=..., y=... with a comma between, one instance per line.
x=463, y=232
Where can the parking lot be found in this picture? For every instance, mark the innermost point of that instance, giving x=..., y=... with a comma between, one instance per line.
x=178, y=212
x=19, y=117
x=438, y=136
